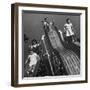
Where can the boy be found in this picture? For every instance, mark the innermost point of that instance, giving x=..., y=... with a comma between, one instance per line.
x=68, y=28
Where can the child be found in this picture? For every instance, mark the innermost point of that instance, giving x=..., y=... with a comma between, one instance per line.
x=31, y=62
x=35, y=46
x=68, y=27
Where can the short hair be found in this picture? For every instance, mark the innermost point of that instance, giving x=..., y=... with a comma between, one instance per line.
x=45, y=18
x=34, y=40
x=67, y=19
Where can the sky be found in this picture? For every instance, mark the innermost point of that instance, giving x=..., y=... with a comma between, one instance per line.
x=32, y=26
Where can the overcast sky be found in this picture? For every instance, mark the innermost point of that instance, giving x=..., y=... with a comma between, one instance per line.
x=32, y=26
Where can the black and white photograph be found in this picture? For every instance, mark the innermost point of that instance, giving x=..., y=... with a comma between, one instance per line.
x=50, y=44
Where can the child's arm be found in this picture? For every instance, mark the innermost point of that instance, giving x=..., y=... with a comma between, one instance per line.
x=64, y=32
x=27, y=60
x=72, y=27
x=64, y=28
x=38, y=58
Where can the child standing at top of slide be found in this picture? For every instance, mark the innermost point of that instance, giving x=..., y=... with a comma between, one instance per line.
x=68, y=29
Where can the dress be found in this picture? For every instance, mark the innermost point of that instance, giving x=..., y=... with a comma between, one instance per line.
x=68, y=29
x=33, y=59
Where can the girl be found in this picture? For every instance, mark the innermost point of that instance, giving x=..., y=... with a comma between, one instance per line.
x=68, y=28
x=31, y=62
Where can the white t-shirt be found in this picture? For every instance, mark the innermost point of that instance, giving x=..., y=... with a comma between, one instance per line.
x=68, y=29
x=33, y=59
